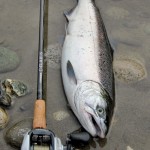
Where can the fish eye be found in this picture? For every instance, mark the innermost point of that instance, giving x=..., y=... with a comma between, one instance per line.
x=100, y=110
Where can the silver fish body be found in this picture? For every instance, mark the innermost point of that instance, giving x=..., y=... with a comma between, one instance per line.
x=87, y=68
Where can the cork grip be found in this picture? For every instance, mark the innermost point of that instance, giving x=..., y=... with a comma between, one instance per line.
x=39, y=120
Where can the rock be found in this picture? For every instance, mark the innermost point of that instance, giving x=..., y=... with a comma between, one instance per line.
x=9, y=60
x=117, y=12
x=129, y=148
x=128, y=70
x=15, y=134
x=3, y=118
x=53, y=56
x=14, y=88
x=5, y=100
x=128, y=66
x=60, y=115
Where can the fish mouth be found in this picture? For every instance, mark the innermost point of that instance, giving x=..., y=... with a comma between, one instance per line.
x=95, y=124
x=96, y=127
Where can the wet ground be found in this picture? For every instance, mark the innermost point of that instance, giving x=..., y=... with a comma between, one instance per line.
x=128, y=26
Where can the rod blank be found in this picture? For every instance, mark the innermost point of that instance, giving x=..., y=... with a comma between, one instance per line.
x=40, y=51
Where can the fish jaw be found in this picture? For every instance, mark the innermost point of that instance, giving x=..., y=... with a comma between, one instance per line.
x=92, y=108
x=97, y=126
x=90, y=124
x=87, y=123
x=93, y=123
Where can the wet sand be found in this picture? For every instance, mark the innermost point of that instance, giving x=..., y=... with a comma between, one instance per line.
x=127, y=22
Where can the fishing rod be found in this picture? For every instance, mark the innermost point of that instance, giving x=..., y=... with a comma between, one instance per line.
x=40, y=138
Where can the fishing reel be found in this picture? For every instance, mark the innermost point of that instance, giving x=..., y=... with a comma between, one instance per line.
x=42, y=139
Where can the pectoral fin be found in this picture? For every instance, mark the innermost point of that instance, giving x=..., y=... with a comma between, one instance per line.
x=71, y=73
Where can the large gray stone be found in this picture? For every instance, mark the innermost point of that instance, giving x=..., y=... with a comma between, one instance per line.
x=9, y=60
x=15, y=134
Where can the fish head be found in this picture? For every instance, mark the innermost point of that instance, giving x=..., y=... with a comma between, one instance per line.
x=94, y=110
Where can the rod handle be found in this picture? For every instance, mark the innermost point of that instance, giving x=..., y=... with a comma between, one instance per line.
x=39, y=120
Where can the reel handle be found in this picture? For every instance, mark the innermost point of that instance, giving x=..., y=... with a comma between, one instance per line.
x=82, y=137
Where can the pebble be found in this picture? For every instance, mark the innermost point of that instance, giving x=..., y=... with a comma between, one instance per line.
x=53, y=56
x=4, y=118
x=128, y=70
x=117, y=12
x=14, y=135
x=60, y=115
x=9, y=60
x=129, y=148
x=5, y=100
x=14, y=88
x=129, y=67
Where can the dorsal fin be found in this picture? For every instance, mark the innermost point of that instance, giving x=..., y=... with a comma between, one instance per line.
x=68, y=13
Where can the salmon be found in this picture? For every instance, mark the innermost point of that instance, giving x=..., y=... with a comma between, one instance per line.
x=87, y=70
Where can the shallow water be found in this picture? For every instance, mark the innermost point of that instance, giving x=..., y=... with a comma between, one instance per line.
x=128, y=27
